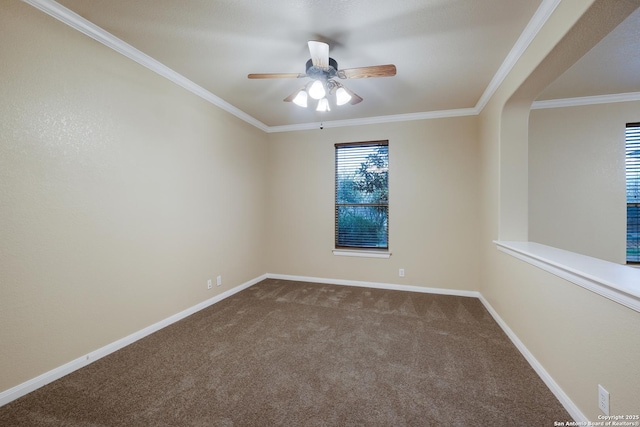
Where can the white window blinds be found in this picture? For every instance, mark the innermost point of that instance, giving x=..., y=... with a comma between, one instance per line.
x=632, y=137
x=362, y=195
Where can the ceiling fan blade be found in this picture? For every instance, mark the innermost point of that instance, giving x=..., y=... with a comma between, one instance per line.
x=355, y=99
x=319, y=53
x=292, y=96
x=299, y=97
x=277, y=76
x=363, y=72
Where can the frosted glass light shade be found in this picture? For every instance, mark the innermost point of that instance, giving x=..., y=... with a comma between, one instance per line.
x=323, y=105
x=342, y=96
x=301, y=99
x=316, y=90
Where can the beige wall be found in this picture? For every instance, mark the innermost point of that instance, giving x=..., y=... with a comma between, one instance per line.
x=580, y=338
x=433, y=193
x=577, y=178
x=121, y=194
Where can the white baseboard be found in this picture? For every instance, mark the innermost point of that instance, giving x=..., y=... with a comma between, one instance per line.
x=54, y=374
x=568, y=404
x=44, y=379
x=377, y=285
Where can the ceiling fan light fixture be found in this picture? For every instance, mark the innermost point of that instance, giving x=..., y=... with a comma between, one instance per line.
x=342, y=96
x=323, y=105
x=322, y=70
x=316, y=90
x=301, y=99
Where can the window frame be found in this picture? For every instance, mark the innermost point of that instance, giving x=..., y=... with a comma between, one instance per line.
x=353, y=250
x=633, y=171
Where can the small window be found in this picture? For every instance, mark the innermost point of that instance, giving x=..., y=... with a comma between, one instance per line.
x=632, y=138
x=362, y=195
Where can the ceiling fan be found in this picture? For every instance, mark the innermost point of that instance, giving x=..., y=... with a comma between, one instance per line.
x=323, y=71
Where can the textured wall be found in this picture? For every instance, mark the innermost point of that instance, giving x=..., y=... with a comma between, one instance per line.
x=577, y=178
x=581, y=339
x=433, y=199
x=120, y=195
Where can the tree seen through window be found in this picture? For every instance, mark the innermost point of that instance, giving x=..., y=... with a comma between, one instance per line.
x=362, y=195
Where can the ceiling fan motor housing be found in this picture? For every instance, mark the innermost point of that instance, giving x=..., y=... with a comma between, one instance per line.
x=322, y=73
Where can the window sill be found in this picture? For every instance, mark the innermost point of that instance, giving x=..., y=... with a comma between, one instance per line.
x=362, y=253
x=617, y=282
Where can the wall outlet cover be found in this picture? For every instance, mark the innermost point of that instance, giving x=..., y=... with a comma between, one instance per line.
x=603, y=399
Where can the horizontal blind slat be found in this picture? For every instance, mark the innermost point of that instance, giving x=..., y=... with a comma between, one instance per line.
x=361, y=212
x=632, y=162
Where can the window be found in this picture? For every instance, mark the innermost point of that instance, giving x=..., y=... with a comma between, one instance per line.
x=632, y=137
x=362, y=195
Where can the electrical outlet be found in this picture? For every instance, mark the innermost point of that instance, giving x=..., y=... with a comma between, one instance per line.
x=603, y=399
x=209, y=284
x=401, y=272
x=219, y=281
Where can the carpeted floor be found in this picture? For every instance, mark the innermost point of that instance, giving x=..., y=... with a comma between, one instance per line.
x=307, y=354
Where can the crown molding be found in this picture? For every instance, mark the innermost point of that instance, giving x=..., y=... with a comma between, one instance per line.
x=542, y=14
x=77, y=22
x=375, y=120
x=586, y=100
x=86, y=27
x=532, y=29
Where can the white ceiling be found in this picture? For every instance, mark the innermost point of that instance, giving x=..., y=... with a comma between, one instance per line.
x=448, y=53
x=610, y=67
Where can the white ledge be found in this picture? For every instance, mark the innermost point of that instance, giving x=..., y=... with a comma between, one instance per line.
x=619, y=283
x=361, y=253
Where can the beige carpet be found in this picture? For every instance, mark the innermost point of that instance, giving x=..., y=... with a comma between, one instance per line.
x=307, y=354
